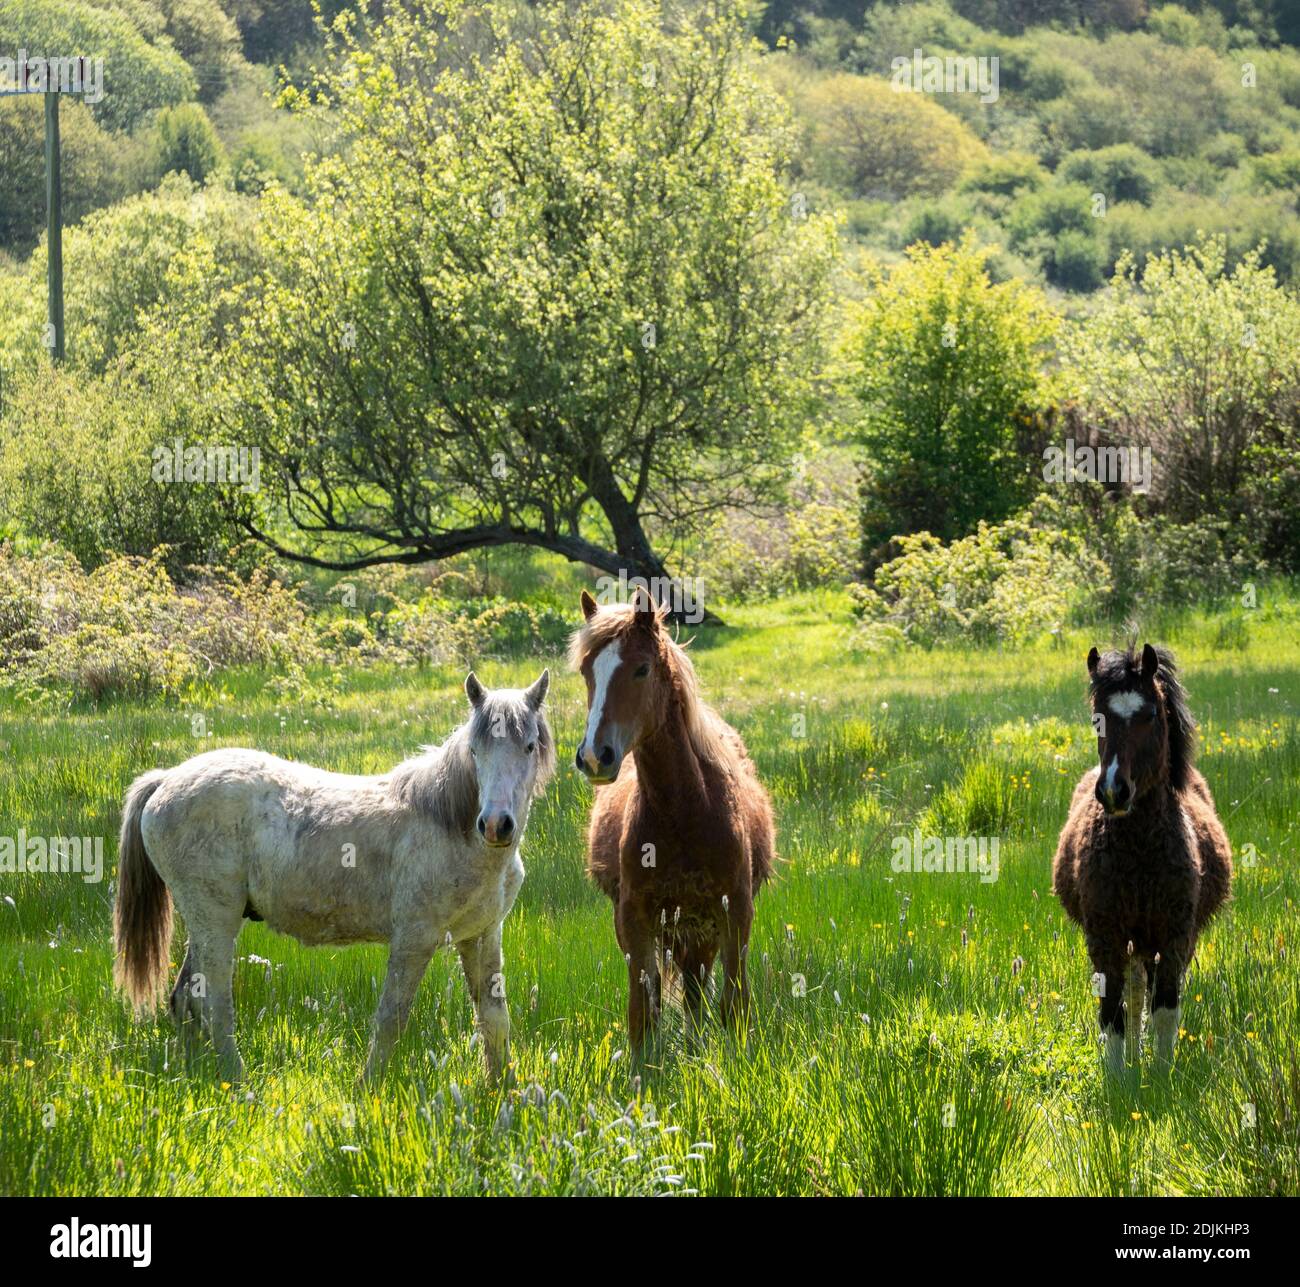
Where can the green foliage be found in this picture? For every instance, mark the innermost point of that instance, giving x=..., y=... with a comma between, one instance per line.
x=126, y=630
x=1058, y=226
x=94, y=165
x=810, y=543
x=941, y=359
x=1050, y=211
x=76, y=466
x=561, y=324
x=1006, y=175
x=139, y=77
x=934, y=223
x=257, y=163
x=1178, y=26
x=185, y=142
x=1279, y=169
x=1272, y=493
x=1075, y=260
x=890, y=31
x=1265, y=224
x=1129, y=98
x=1151, y=562
x=864, y=138
x=1122, y=173
x=207, y=38
x=1010, y=582
x=122, y=260
x=1194, y=362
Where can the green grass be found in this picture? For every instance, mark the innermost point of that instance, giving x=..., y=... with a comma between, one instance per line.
x=914, y=1033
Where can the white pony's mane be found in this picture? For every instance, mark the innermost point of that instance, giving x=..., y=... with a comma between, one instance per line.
x=442, y=781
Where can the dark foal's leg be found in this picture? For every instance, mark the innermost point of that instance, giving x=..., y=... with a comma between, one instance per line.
x=1110, y=972
x=735, y=949
x=1135, y=997
x=1166, y=986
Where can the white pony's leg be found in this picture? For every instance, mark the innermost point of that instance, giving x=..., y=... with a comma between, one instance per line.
x=406, y=967
x=481, y=961
x=184, y=1005
x=216, y=960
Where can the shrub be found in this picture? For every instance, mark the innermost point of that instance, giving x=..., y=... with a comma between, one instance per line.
x=1123, y=172
x=434, y=628
x=1151, y=562
x=1264, y=223
x=207, y=39
x=1167, y=99
x=867, y=139
x=184, y=142
x=139, y=77
x=941, y=359
x=1279, y=169
x=1076, y=260
x=1176, y=26
x=1006, y=175
x=1057, y=208
x=935, y=222
x=1195, y=362
x=76, y=466
x=93, y=167
x=256, y=163
x=126, y=629
x=1007, y=582
x=121, y=260
x=810, y=544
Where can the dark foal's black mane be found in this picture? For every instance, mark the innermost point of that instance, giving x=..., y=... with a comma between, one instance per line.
x=1118, y=671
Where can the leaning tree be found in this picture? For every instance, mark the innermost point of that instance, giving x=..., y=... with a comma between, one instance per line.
x=547, y=286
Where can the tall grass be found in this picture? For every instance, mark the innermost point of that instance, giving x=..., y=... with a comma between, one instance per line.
x=913, y=1033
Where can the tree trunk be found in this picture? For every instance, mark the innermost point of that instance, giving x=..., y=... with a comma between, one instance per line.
x=630, y=541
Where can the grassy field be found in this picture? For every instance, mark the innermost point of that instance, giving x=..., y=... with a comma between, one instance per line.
x=914, y=1033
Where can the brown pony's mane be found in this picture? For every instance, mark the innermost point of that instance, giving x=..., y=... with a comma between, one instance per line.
x=704, y=728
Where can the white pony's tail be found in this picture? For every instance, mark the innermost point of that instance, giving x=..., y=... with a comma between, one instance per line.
x=142, y=911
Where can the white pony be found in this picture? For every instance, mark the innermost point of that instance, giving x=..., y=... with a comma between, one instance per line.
x=425, y=855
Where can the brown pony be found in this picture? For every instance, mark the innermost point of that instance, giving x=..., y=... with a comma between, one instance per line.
x=681, y=831
x=1143, y=861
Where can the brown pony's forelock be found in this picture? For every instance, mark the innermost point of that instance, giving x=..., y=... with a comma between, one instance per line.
x=1120, y=670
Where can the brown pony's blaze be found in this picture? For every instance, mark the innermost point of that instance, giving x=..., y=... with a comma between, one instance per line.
x=681, y=834
x=1143, y=861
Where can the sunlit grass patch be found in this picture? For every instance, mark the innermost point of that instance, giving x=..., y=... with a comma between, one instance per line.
x=881, y=996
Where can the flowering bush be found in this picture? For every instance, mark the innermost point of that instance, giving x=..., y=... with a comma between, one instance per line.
x=125, y=628
x=813, y=542
x=1004, y=582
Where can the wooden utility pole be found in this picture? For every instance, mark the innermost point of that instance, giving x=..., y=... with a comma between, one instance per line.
x=54, y=226
x=26, y=83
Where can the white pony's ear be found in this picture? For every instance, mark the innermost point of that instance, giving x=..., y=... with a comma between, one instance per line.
x=537, y=690
x=474, y=690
